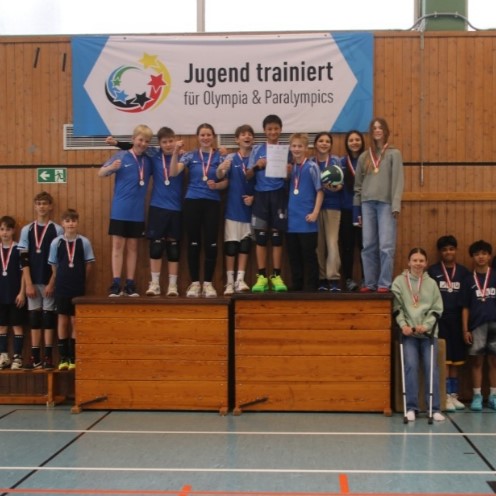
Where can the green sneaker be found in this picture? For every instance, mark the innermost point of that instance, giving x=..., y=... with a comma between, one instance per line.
x=278, y=284
x=261, y=285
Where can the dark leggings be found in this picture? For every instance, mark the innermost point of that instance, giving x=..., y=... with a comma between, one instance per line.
x=350, y=237
x=201, y=221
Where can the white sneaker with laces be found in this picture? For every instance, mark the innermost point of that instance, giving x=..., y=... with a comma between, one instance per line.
x=229, y=290
x=410, y=415
x=16, y=363
x=4, y=360
x=241, y=287
x=438, y=417
x=456, y=402
x=450, y=407
x=208, y=290
x=172, y=290
x=153, y=289
x=193, y=290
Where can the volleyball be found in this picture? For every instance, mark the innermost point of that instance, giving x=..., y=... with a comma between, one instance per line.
x=333, y=175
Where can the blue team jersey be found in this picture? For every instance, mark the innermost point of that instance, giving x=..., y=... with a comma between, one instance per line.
x=482, y=308
x=307, y=178
x=167, y=196
x=451, y=290
x=10, y=275
x=70, y=281
x=332, y=199
x=262, y=182
x=349, y=181
x=198, y=165
x=239, y=186
x=128, y=202
x=38, y=256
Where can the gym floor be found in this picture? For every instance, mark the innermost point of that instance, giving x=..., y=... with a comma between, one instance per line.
x=53, y=452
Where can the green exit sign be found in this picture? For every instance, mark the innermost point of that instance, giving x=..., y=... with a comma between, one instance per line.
x=51, y=175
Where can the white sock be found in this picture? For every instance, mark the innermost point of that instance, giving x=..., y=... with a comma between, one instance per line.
x=156, y=277
x=241, y=275
x=230, y=276
x=172, y=279
x=492, y=390
x=477, y=390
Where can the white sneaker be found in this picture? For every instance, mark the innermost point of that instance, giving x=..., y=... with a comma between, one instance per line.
x=208, y=290
x=450, y=406
x=153, y=289
x=193, y=290
x=438, y=417
x=16, y=363
x=229, y=289
x=241, y=287
x=4, y=360
x=410, y=415
x=456, y=402
x=172, y=290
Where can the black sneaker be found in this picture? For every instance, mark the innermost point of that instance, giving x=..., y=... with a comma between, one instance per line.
x=47, y=363
x=114, y=290
x=32, y=365
x=323, y=285
x=130, y=289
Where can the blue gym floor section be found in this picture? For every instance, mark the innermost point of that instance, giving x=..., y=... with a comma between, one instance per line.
x=53, y=452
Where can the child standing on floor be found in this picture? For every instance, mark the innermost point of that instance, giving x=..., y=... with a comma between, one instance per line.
x=127, y=216
x=305, y=200
x=12, y=295
x=71, y=256
x=417, y=303
x=479, y=321
x=237, y=227
x=34, y=245
x=449, y=276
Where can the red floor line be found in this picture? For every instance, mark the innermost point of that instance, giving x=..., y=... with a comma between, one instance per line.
x=343, y=484
x=186, y=491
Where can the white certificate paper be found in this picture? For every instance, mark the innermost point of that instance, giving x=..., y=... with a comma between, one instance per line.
x=277, y=161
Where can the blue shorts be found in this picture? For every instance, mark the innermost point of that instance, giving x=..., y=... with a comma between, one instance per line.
x=164, y=224
x=483, y=340
x=270, y=210
x=126, y=228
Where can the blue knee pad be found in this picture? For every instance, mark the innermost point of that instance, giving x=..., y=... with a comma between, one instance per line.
x=261, y=238
x=245, y=246
x=231, y=248
x=172, y=249
x=156, y=249
x=276, y=238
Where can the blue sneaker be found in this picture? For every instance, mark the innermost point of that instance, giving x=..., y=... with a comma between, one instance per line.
x=323, y=285
x=491, y=402
x=334, y=286
x=476, y=405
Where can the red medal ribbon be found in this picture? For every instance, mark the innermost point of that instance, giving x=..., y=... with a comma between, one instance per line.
x=415, y=297
x=166, y=172
x=39, y=241
x=141, y=168
x=449, y=281
x=486, y=282
x=243, y=165
x=350, y=165
x=206, y=167
x=70, y=250
x=297, y=174
x=5, y=261
x=377, y=160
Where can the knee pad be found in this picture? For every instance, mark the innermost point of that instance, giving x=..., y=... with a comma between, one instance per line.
x=231, y=248
x=156, y=249
x=172, y=249
x=245, y=246
x=276, y=238
x=261, y=238
x=35, y=319
x=49, y=320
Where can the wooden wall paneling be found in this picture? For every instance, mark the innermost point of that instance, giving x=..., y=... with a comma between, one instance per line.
x=4, y=103
x=379, y=75
x=451, y=85
x=436, y=105
x=462, y=64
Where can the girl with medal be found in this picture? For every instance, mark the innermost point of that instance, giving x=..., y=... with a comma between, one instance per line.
x=417, y=303
x=329, y=218
x=201, y=208
x=12, y=296
x=479, y=322
x=450, y=277
x=350, y=235
x=305, y=200
x=378, y=190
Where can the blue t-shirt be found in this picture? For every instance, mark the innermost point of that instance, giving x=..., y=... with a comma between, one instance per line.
x=167, y=196
x=201, y=164
x=347, y=193
x=482, y=308
x=70, y=281
x=128, y=202
x=239, y=186
x=332, y=199
x=262, y=182
x=39, y=269
x=11, y=275
x=307, y=178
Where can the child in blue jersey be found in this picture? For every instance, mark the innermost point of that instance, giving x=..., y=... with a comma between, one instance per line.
x=237, y=227
x=479, y=321
x=165, y=211
x=329, y=218
x=449, y=276
x=201, y=208
x=12, y=295
x=34, y=245
x=71, y=257
x=350, y=235
x=127, y=216
x=269, y=215
x=305, y=200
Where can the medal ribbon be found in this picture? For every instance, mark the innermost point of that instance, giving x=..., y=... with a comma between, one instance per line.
x=449, y=281
x=70, y=250
x=39, y=241
x=377, y=160
x=297, y=174
x=486, y=282
x=166, y=172
x=5, y=261
x=350, y=165
x=243, y=164
x=206, y=167
x=415, y=298
x=141, y=168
